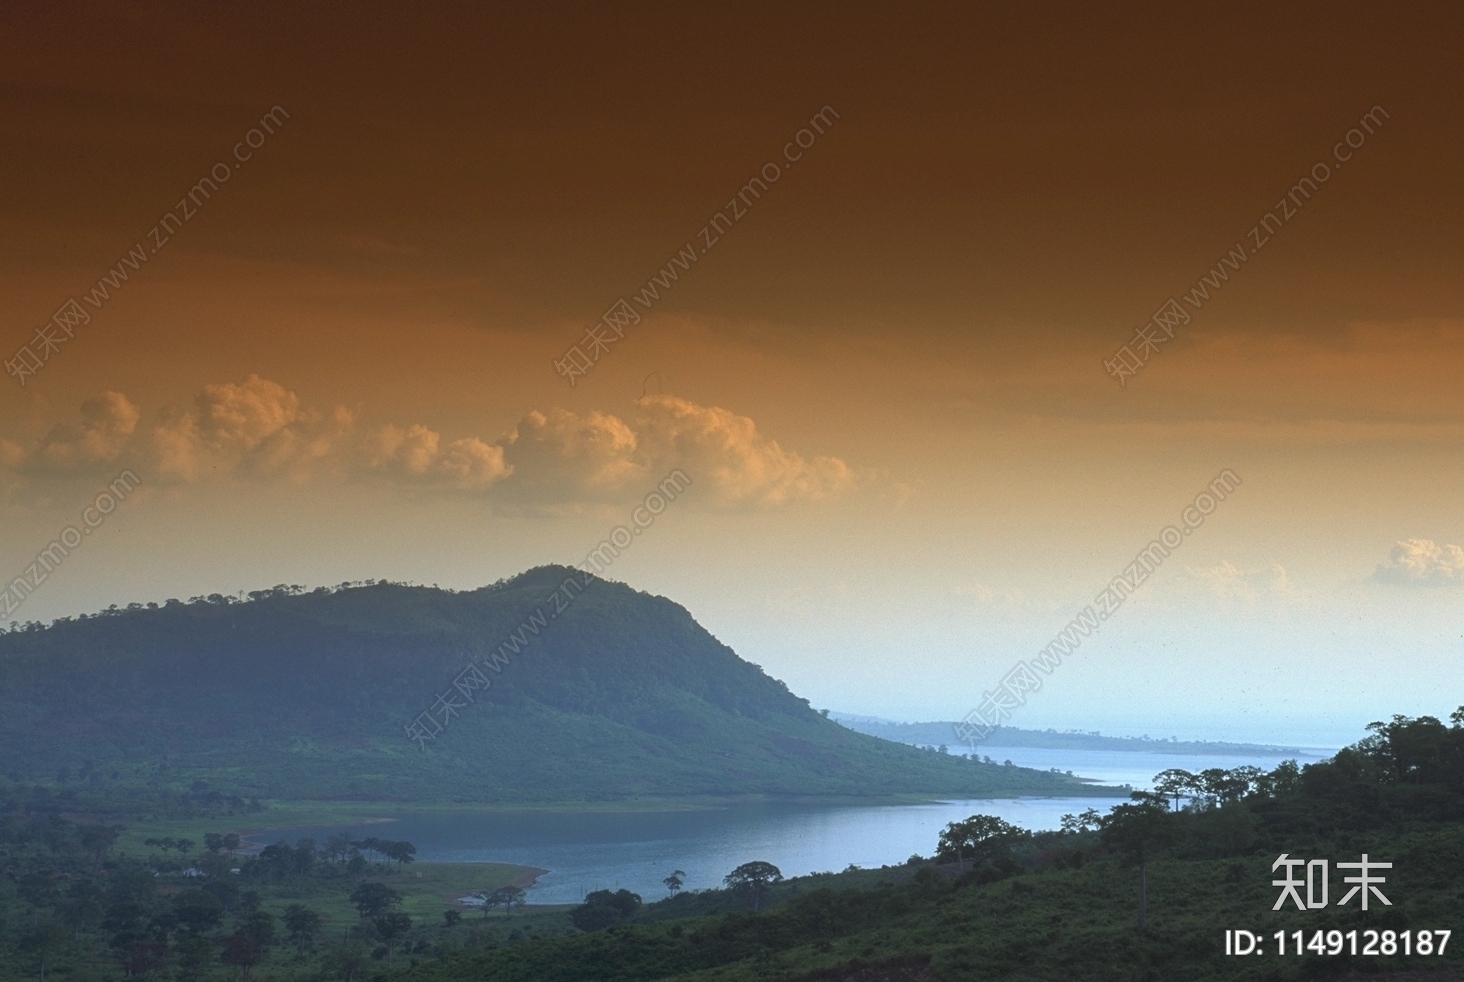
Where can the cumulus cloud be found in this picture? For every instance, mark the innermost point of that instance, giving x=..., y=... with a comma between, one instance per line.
x=1422, y=562
x=416, y=455
x=253, y=426
x=107, y=424
x=562, y=456
x=726, y=451
x=259, y=429
x=1230, y=582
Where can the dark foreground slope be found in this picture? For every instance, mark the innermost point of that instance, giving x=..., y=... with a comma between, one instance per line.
x=1062, y=906
x=293, y=694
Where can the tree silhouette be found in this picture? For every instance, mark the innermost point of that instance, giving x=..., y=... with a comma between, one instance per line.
x=674, y=881
x=603, y=908
x=981, y=838
x=754, y=877
x=1176, y=783
x=1137, y=831
x=507, y=897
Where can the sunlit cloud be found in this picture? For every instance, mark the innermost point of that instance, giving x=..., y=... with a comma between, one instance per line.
x=1422, y=562
x=259, y=430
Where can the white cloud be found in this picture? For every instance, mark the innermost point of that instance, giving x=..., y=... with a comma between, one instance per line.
x=1227, y=581
x=415, y=455
x=107, y=424
x=564, y=456
x=726, y=451
x=258, y=429
x=1422, y=562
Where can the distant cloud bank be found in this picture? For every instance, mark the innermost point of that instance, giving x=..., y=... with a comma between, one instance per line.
x=259, y=430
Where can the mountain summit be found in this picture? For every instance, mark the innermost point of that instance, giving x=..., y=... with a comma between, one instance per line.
x=544, y=687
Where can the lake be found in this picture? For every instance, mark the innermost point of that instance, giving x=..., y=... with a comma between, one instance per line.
x=589, y=850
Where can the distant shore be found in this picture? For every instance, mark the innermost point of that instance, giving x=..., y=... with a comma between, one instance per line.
x=941, y=733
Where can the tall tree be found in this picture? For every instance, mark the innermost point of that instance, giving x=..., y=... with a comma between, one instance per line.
x=303, y=924
x=754, y=877
x=391, y=926
x=1136, y=832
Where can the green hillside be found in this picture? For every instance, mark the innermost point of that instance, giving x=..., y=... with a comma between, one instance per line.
x=610, y=693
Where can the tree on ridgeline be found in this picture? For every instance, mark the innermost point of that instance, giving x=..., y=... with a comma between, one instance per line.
x=674, y=881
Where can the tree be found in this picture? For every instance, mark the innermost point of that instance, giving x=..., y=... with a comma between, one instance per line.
x=754, y=877
x=39, y=890
x=372, y=899
x=508, y=898
x=278, y=858
x=83, y=905
x=198, y=910
x=194, y=956
x=980, y=838
x=303, y=925
x=674, y=881
x=260, y=926
x=1136, y=832
x=392, y=926
x=1086, y=821
x=305, y=856
x=44, y=942
x=1176, y=783
x=241, y=952
x=338, y=846
x=231, y=841
x=97, y=839
x=602, y=908
x=351, y=960
x=452, y=918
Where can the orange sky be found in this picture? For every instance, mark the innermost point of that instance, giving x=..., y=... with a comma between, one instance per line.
x=887, y=377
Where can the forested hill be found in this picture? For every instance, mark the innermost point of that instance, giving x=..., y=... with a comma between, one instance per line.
x=611, y=693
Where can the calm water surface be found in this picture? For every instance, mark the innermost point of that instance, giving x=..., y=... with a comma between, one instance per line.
x=585, y=850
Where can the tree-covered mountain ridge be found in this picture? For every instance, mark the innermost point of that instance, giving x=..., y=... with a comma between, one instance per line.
x=548, y=686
